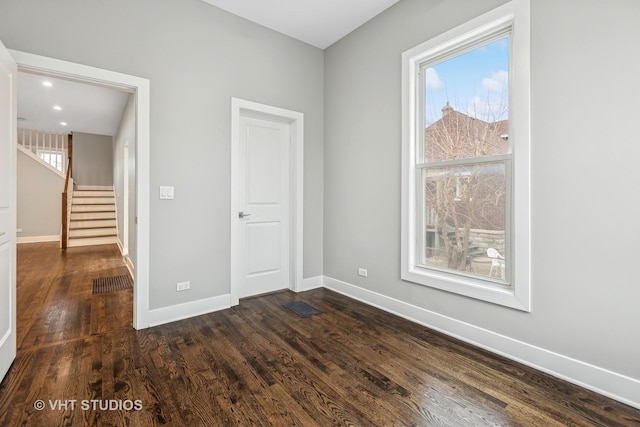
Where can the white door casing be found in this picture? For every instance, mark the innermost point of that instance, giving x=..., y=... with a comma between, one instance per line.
x=125, y=199
x=8, y=137
x=266, y=186
x=141, y=88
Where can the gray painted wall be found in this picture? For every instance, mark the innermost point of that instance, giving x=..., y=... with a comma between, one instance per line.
x=197, y=57
x=92, y=159
x=125, y=144
x=39, y=198
x=585, y=151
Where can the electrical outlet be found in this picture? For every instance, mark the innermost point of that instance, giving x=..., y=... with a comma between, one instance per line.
x=183, y=286
x=362, y=272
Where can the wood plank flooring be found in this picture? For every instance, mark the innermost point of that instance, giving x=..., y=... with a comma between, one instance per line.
x=258, y=363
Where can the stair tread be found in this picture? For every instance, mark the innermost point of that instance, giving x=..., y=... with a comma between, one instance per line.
x=93, y=193
x=93, y=200
x=93, y=187
x=92, y=216
x=92, y=208
x=91, y=223
x=91, y=241
x=92, y=232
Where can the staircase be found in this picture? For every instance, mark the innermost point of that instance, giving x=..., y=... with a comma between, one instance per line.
x=93, y=216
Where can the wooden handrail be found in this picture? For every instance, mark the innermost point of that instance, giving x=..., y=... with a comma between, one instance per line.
x=65, y=195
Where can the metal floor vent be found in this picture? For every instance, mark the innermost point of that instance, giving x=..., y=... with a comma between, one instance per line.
x=103, y=285
x=302, y=309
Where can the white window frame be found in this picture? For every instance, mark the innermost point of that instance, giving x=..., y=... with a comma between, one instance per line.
x=515, y=15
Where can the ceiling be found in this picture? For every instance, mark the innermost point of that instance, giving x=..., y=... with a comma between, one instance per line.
x=319, y=23
x=84, y=107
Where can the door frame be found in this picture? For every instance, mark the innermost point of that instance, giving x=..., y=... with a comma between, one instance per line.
x=140, y=87
x=244, y=108
x=125, y=199
x=8, y=337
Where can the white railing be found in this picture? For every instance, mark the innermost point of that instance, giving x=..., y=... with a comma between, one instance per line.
x=51, y=147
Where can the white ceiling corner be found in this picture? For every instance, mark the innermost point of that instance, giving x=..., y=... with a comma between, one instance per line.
x=319, y=23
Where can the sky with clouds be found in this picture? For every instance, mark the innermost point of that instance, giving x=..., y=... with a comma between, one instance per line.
x=474, y=83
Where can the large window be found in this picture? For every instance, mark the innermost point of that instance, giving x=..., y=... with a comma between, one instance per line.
x=466, y=159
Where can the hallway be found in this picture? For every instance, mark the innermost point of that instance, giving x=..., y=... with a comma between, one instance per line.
x=55, y=300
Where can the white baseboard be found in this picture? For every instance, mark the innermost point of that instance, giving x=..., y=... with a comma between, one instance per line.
x=130, y=267
x=38, y=239
x=125, y=257
x=123, y=251
x=177, y=312
x=311, y=283
x=616, y=386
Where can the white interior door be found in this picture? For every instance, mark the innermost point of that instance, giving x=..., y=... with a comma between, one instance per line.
x=263, y=218
x=8, y=121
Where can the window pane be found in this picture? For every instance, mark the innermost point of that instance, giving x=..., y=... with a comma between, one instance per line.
x=467, y=104
x=53, y=158
x=464, y=218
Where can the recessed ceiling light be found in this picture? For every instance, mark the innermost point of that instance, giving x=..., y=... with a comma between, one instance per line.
x=57, y=107
x=47, y=83
x=63, y=123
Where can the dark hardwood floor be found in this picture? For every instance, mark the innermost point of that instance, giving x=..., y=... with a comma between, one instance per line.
x=257, y=363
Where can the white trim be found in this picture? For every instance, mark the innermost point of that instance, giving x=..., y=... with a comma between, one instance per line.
x=125, y=198
x=141, y=88
x=311, y=283
x=125, y=257
x=38, y=239
x=119, y=243
x=120, y=246
x=186, y=310
x=600, y=380
x=518, y=295
x=129, y=264
x=241, y=107
x=6, y=337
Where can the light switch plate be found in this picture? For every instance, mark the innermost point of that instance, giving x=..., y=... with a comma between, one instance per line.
x=166, y=193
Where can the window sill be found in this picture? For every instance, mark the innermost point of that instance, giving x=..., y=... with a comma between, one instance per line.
x=484, y=290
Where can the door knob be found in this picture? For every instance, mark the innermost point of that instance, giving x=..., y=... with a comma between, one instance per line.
x=242, y=214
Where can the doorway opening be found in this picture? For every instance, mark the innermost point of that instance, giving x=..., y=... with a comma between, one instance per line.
x=138, y=88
